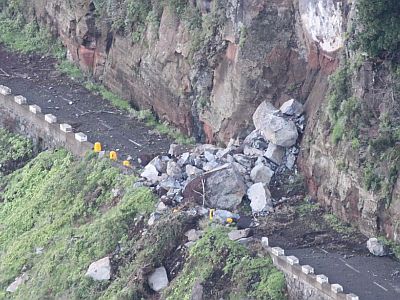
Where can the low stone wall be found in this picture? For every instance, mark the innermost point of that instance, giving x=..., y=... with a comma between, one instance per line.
x=17, y=114
x=301, y=281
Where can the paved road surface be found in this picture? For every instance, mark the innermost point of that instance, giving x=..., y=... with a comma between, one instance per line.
x=369, y=277
x=37, y=79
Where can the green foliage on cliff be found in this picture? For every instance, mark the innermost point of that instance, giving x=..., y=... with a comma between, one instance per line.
x=248, y=276
x=14, y=151
x=342, y=105
x=67, y=208
x=380, y=26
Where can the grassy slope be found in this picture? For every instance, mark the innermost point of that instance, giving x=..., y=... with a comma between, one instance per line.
x=233, y=271
x=67, y=208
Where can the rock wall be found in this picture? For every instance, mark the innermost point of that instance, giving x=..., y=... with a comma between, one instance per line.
x=257, y=50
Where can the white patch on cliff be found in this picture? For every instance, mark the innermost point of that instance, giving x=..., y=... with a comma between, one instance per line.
x=322, y=20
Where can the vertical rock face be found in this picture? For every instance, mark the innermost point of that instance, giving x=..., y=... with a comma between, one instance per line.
x=258, y=50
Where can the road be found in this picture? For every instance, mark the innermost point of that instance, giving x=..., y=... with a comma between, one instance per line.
x=369, y=277
x=37, y=79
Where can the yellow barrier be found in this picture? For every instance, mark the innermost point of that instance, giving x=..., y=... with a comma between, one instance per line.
x=113, y=155
x=97, y=147
x=212, y=213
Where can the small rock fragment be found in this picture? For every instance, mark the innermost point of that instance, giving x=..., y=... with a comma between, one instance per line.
x=239, y=234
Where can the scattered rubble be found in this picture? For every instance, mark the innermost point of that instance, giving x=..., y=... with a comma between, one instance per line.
x=220, y=178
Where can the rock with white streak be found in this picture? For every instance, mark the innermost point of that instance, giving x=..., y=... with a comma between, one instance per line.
x=100, y=270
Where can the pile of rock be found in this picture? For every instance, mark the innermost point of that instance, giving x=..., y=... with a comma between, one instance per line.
x=220, y=177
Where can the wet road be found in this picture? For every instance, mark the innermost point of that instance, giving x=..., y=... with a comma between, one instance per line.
x=37, y=79
x=369, y=277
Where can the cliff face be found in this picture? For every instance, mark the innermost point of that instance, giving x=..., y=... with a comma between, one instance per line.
x=206, y=65
x=207, y=81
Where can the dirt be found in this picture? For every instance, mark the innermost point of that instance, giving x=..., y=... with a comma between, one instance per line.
x=37, y=78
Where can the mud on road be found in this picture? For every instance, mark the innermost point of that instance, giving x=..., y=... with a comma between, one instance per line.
x=37, y=78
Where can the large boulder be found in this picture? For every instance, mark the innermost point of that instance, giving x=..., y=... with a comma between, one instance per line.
x=150, y=173
x=275, y=153
x=274, y=128
x=292, y=107
x=158, y=280
x=262, y=113
x=224, y=188
x=376, y=247
x=260, y=198
x=173, y=170
x=100, y=270
x=261, y=173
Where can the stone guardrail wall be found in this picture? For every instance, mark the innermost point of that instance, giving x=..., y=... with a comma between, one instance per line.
x=301, y=280
x=17, y=114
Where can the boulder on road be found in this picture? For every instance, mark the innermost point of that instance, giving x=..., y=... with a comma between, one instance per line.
x=224, y=188
x=158, y=280
x=260, y=198
x=100, y=270
x=376, y=247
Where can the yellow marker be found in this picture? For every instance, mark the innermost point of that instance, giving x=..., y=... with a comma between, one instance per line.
x=126, y=163
x=229, y=220
x=113, y=155
x=97, y=147
x=212, y=213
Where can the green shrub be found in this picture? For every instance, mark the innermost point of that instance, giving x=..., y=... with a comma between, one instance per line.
x=215, y=253
x=380, y=26
x=70, y=69
x=14, y=151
